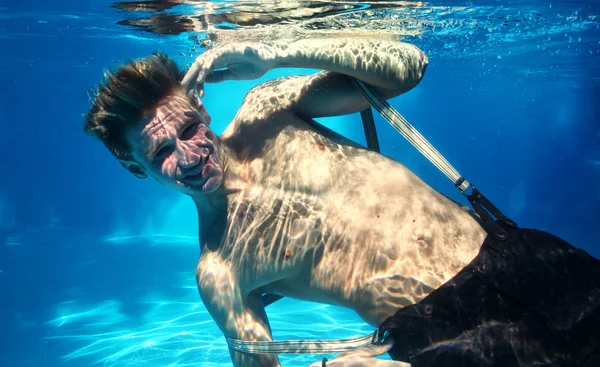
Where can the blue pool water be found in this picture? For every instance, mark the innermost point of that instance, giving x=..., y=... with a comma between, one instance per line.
x=97, y=268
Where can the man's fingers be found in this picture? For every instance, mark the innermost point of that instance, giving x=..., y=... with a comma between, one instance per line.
x=370, y=351
x=190, y=78
x=375, y=350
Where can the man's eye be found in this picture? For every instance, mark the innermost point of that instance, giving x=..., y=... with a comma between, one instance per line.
x=162, y=153
x=189, y=131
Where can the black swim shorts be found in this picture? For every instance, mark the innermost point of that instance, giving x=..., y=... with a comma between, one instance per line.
x=530, y=300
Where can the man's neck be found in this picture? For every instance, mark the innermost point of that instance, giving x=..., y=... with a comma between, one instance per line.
x=212, y=214
x=212, y=207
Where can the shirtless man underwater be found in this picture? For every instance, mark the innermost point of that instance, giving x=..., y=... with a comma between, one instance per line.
x=286, y=206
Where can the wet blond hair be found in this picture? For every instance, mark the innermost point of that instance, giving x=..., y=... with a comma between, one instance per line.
x=121, y=100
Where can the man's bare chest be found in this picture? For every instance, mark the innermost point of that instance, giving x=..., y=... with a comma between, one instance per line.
x=329, y=217
x=312, y=200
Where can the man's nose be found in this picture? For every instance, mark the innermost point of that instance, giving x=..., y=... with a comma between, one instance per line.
x=186, y=158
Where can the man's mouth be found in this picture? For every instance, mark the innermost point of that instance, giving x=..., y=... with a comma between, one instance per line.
x=194, y=175
x=197, y=175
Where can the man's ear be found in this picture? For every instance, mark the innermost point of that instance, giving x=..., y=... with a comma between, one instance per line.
x=134, y=168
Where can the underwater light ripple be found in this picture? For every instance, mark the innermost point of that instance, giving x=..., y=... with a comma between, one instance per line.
x=154, y=341
x=181, y=333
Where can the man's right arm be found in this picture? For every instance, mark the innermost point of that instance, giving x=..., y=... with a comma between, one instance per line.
x=238, y=316
x=390, y=68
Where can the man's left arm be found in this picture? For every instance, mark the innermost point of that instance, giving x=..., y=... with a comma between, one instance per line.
x=391, y=68
x=238, y=315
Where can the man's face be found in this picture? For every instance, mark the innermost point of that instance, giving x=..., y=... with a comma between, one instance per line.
x=176, y=147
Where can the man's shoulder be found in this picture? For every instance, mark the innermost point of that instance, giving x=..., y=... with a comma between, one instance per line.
x=271, y=97
x=268, y=105
x=278, y=87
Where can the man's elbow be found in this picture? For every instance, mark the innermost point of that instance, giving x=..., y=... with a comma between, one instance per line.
x=409, y=72
x=422, y=61
x=412, y=66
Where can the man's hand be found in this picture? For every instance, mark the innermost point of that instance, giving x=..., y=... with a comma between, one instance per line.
x=228, y=62
x=363, y=357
